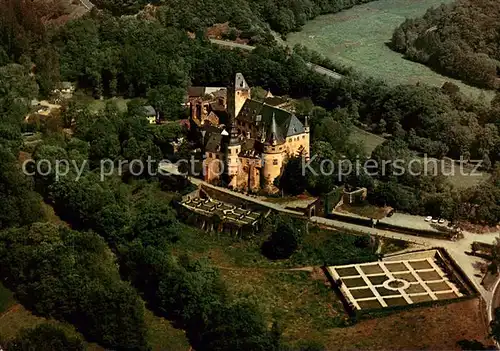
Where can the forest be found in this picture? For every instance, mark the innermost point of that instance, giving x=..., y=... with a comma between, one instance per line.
x=121, y=232
x=252, y=17
x=459, y=40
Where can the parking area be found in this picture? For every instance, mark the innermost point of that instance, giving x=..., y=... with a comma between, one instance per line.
x=393, y=283
x=414, y=222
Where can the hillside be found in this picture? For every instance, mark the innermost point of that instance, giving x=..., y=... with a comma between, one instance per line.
x=358, y=38
x=251, y=16
x=459, y=40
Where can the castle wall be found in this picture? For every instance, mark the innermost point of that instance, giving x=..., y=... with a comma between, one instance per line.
x=233, y=159
x=213, y=167
x=249, y=173
x=296, y=143
x=240, y=97
x=272, y=164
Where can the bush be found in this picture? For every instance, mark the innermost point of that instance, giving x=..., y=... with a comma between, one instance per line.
x=45, y=337
x=282, y=243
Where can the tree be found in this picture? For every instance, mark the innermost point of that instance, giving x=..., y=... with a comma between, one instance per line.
x=113, y=222
x=284, y=240
x=106, y=147
x=43, y=337
x=167, y=100
x=192, y=293
x=155, y=222
x=72, y=276
x=17, y=85
x=238, y=326
x=19, y=203
x=79, y=202
x=292, y=181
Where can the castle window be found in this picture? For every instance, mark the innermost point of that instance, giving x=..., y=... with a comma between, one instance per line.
x=210, y=155
x=303, y=136
x=289, y=140
x=275, y=162
x=217, y=156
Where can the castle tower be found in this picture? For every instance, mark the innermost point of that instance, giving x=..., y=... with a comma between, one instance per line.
x=272, y=156
x=233, y=143
x=307, y=144
x=242, y=92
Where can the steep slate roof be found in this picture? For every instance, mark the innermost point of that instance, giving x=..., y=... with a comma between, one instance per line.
x=275, y=100
x=293, y=126
x=287, y=123
x=251, y=148
x=213, y=142
x=274, y=134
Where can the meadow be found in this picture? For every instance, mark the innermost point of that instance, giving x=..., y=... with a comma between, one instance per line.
x=358, y=38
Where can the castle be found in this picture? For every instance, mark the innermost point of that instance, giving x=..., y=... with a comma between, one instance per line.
x=245, y=142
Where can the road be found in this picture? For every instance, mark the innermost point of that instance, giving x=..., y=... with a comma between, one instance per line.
x=318, y=69
x=88, y=5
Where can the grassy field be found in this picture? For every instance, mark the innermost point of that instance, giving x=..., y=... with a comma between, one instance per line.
x=429, y=328
x=369, y=140
x=307, y=309
x=318, y=246
x=163, y=336
x=96, y=105
x=357, y=38
x=364, y=210
x=302, y=302
x=295, y=292
x=17, y=318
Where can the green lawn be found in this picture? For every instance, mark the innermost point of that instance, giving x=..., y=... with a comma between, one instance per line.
x=357, y=38
x=96, y=104
x=303, y=303
x=369, y=140
x=301, y=300
x=163, y=336
x=318, y=247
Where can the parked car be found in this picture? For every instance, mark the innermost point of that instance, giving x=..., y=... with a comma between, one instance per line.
x=441, y=220
x=428, y=218
x=390, y=213
x=434, y=220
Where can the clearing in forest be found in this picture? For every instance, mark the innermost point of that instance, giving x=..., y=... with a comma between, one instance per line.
x=357, y=38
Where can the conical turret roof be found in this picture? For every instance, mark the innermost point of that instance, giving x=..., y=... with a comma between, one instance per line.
x=273, y=135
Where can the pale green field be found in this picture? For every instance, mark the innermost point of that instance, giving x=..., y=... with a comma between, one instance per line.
x=369, y=140
x=357, y=38
x=96, y=105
